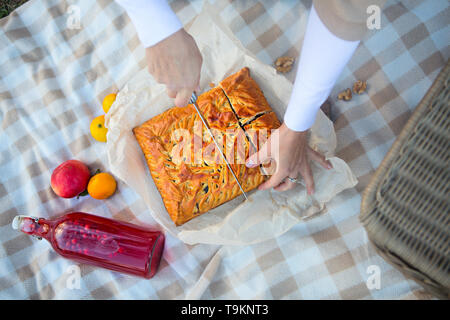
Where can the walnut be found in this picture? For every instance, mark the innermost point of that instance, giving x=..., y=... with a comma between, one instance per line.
x=284, y=64
x=345, y=95
x=359, y=87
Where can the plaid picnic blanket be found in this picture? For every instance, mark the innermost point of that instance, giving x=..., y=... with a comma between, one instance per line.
x=58, y=59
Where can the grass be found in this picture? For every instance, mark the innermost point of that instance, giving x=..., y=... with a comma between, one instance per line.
x=8, y=6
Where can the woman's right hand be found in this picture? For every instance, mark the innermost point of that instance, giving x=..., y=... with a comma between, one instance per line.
x=176, y=62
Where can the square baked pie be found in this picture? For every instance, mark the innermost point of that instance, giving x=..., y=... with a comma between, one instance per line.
x=185, y=165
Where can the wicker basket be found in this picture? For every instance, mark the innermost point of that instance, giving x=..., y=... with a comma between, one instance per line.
x=405, y=207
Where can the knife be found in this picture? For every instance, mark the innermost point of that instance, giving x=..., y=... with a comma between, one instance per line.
x=193, y=101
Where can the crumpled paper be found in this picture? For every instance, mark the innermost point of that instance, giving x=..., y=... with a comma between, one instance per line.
x=267, y=214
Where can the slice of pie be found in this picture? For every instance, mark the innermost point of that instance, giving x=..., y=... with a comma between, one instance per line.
x=184, y=162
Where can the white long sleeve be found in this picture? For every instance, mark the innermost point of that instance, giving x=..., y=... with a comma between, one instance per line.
x=322, y=59
x=154, y=20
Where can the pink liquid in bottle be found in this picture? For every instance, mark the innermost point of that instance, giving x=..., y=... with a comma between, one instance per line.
x=99, y=241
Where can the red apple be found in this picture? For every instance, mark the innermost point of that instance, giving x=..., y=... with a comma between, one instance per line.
x=70, y=178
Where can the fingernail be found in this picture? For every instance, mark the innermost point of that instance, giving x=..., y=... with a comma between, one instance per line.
x=329, y=166
x=250, y=164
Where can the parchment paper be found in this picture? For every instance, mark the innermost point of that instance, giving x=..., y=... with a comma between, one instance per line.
x=266, y=214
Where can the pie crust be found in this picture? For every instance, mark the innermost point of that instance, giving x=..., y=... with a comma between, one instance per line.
x=185, y=165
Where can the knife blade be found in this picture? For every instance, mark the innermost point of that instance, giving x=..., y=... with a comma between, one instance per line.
x=193, y=101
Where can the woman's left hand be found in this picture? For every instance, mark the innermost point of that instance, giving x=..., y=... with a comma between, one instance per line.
x=291, y=153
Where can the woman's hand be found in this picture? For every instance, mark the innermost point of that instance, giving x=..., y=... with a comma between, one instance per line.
x=176, y=62
x=291, y=153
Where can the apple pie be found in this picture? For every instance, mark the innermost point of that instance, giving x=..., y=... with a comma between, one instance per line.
x=184, y=162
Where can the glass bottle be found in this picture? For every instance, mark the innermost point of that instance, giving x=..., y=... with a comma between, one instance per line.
x=99, y=241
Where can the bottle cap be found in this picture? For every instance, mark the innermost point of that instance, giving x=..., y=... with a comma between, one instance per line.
x=18, y=223
x=18, y=220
